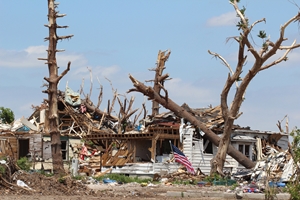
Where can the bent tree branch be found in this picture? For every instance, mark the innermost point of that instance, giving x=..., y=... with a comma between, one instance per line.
x=181, y=112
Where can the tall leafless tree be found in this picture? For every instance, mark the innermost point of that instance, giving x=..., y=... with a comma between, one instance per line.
x=159, y=78
x=261, y=62
x=53, y=81
x=179, y=111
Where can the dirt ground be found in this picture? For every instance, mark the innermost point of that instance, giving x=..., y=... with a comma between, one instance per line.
x=105, y=192
x=39, y=187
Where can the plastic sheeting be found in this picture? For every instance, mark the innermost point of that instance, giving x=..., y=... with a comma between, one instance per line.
x=71, y=97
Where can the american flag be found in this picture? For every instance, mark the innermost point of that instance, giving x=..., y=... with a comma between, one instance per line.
x=181, y=158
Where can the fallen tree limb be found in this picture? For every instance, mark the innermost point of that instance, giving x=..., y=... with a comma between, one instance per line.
x=181, y=112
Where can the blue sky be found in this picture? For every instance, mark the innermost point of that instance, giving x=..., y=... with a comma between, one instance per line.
x=116, y=38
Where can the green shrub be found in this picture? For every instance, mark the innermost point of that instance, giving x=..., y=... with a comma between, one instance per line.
x=217, y=177
x=213, y=177
x=24, y=164
x=6, y=115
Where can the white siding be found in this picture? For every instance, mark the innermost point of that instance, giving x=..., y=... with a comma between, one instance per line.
x=187, y=143
x=145, y=168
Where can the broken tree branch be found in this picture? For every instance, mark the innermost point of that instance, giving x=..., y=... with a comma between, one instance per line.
x=181, y=112
x=100, y=94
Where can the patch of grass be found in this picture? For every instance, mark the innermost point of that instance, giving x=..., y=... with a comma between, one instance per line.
x=47, y=174
x=209, y=179
x=184, y=182
x=294, y=190
x=62, y=180
x=217, y=177
x=78, y=177
x=213, y=177
x=121, y=178
x=2, y=169
x=270, y=193
x=235, y=185
x=3, y=158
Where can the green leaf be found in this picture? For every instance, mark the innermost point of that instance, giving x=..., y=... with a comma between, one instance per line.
x=262, y=34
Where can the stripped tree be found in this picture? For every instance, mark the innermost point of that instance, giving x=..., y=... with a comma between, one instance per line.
x=53, y=81
x=159, y=78
x=180, y=111
x=261, y=62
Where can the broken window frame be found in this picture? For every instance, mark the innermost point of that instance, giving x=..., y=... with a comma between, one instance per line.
x=243, y=149
x=65, y=150
x=207, y=147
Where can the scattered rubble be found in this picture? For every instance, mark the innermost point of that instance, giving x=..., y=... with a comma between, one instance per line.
x=109, y=141
x=275, y=166
x=14, y=181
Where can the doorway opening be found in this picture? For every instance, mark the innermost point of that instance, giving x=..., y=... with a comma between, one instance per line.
x=23, y=147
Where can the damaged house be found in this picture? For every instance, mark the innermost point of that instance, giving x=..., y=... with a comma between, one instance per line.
x=20, y=140
x=99, y=142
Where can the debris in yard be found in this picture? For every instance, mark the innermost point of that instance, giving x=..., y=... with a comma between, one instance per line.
x=180, y=175
x=275, y=166
x=13, y=180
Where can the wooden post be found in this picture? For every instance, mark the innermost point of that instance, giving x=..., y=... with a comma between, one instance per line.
x=101, y=161
x=134, y=150
x=153, y=147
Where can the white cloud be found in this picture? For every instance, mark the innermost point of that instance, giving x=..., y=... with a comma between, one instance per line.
x=36, y=49
x=29, y=57
x=107, y=71
x=99, y=71
x=227, y=19
x=185, y=92
x=77, y=60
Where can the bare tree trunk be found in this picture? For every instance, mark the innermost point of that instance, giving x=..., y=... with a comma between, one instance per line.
x=52, y=91
x=181, y=112
x=159, y=78
x=217, y=163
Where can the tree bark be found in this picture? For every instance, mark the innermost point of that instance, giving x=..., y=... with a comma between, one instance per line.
x=52, y=93
x=53, y=80
x=159, y=78
x=181, y=112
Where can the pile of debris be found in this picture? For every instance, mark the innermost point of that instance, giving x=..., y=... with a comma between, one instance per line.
x=14, y=181
x=276, y=167
x=180, y=176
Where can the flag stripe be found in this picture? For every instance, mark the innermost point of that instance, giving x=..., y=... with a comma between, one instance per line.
x=181, y=158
